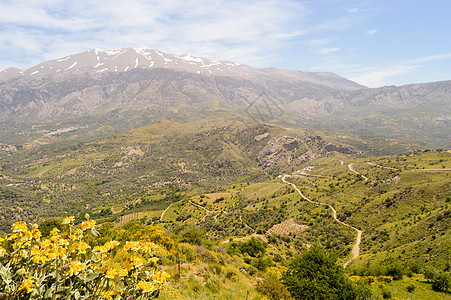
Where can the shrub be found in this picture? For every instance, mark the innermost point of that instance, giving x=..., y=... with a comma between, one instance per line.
x=66, y=266
x=193, y=235
x=272, y=288
x=442, y=283
x=316, y=275
x=395, y=271
x=429, y=274
x=410, y=288
x=213, y=285
x=386, y=294
x=230, y=272
x=253, y=247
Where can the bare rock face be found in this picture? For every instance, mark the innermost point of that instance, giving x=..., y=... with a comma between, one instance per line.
x=345, y=149
x=278, y=149
x=307, y=156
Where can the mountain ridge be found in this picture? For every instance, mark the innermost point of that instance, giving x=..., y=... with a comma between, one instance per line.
x=96, y=61
x=92, y=88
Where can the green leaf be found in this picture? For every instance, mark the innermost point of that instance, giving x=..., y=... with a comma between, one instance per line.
x=92, y=276
x=49, y=292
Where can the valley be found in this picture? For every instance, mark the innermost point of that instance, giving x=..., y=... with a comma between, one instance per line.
x=235, y=171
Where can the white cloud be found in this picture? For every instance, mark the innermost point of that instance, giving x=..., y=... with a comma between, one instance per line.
x=383, y=75
x=378, y=77
x=244, y=31
x=353, y=10
x=326, y=51
x=371, y=32
x=430, y=58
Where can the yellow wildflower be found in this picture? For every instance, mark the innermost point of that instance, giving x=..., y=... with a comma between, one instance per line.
x=68, y=220
x=148, y=247
x=62, y=253
x=27, y=235
x=122, y=272
x=80, y=247
x=132, y=246
x=110, y=273
x=154, y=260
x=54, y=231
x=35, y=250
x=19, y=226
x=98, y=249
x=88, y=224
x=26, y=285
x=38, y=259
x=161, y=276
x=128, y=264
x=36, y=233
x=63, y=242
x=146, y=286
x=75, y=267
x=111, y=245
x=108, y=294
x=137, y=261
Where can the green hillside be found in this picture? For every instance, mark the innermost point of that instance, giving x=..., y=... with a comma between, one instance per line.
x=216, y=186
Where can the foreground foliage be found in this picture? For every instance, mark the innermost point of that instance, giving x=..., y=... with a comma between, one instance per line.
x=65, y=265
x=316, y=275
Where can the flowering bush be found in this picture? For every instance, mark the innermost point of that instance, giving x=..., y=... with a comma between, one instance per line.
x=65, y=266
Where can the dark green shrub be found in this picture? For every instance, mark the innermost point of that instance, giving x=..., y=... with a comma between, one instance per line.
x=316, y=275
x=410, y=288
x=193, y=235
x=442, y=283
x=386, y=294
x=395, y=271
x=253, y=247
x=415, y=268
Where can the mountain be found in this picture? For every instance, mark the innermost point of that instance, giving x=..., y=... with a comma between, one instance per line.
x=106, y=91
x=98, y=61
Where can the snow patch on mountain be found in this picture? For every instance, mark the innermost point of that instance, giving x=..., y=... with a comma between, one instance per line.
x=144, y=52
x=72, y=65
x=188, y=57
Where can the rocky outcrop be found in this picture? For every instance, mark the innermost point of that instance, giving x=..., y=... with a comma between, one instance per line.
x=278, y=149
x=345, y=149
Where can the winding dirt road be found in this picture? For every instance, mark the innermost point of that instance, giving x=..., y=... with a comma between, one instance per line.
x=352, y=170
x=164, y=212
x=356, y=248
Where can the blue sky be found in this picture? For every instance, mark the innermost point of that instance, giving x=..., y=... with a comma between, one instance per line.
x=373, y=42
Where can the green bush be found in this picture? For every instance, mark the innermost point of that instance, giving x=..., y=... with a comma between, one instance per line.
x=193, y=235
x=253, y=247
x=442, y=283
x=395, y=271
x=272, y=288
x=386, y=294
x=316, y=275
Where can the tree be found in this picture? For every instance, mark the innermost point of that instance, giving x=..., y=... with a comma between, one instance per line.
x=316, y=275
x=253, y=247
x=193, y=235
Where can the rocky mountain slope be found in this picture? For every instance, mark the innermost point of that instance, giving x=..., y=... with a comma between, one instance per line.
x=134, y=87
